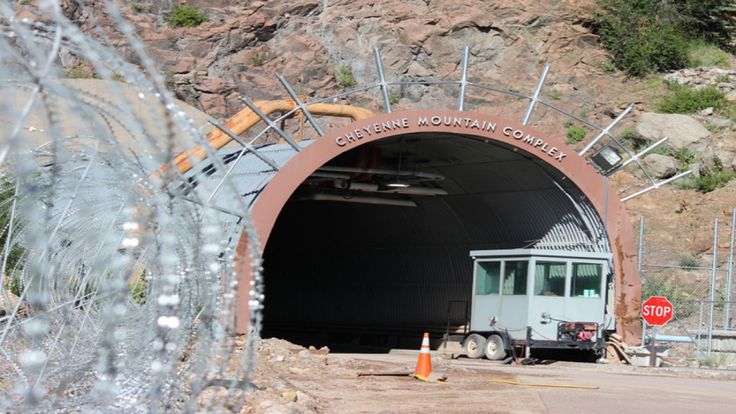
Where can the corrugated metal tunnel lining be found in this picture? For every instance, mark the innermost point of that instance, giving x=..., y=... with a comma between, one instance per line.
x=336, y=265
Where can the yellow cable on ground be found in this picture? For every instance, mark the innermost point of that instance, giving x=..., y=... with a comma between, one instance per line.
x=509, y=382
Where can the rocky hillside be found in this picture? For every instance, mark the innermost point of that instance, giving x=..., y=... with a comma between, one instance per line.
x=325, y=46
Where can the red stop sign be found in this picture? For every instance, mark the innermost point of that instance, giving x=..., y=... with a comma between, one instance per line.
x=657, y=310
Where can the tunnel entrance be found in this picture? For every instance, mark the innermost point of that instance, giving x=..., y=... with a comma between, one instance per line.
x=373, y=248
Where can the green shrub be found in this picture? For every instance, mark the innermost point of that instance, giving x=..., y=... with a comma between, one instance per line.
x=575, y=134
x=708, y=180
x=15, y=284
x=186, y=16
x=647, y=36
x=688, y=261
x=256, y=60
x=393, y=98
x=638, y=41
x=78, y=70
x=140, y=7
x=684, y=100
x=554, y=95
x=713, y=180
x=684, y=156
x=345, y=76
x=608, y=67
x=139, y=291
x=704, y=54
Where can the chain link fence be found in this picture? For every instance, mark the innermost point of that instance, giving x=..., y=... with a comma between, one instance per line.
x=702, y=332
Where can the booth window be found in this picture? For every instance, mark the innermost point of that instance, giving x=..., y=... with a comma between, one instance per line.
x=586, y=280
x=488, y=278
x=514, y=278
x=549, y=278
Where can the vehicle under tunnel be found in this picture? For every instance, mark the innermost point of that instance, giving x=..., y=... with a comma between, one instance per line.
x=372, y=249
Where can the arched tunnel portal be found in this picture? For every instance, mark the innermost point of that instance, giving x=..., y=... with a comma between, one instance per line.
x=367, y=231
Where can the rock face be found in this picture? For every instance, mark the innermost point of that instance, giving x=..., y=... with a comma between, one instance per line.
x=661, y=166
x=244, y=43
x=683, y=131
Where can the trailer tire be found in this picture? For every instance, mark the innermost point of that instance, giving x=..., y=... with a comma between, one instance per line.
x=474, y=345
x=494, y=348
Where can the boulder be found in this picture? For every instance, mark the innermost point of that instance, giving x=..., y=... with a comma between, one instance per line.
x=682, y=130
x=213, y=104
x=211, y=85
x=661, y=166
x=718, y=122
x=183, y=65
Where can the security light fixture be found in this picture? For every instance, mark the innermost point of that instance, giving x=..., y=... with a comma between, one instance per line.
x=605, y=159
x=398, y=183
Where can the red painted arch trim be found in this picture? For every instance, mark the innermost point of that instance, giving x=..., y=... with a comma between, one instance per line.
x=546, y=147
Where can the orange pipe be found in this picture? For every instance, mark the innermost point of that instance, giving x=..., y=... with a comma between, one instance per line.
x=246, y=119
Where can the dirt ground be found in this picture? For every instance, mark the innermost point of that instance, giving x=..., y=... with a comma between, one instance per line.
x=291, y=379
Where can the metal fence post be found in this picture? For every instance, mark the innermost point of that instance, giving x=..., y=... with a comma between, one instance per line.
x=713, y=287
x=700, y=333
x=641, y=275
x=729, y=276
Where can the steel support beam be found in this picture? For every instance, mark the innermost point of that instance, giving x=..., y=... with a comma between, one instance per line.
x=283, y=134
x=535, y=97
x=606, y=130
x=300, y=104
x=463, y=78
x=382, y=80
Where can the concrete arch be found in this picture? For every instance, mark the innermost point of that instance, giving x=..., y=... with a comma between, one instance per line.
x=551, y=150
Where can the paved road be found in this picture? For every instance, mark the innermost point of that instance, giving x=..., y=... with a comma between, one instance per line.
x=621, y=389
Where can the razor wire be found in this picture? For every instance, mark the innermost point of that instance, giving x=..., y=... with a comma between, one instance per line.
x=117, y=297
x=124, y=292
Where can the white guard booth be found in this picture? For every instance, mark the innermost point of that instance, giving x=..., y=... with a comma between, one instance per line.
x=537, y=298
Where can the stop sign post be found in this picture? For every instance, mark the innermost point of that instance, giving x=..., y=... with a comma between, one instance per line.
x=656, y=311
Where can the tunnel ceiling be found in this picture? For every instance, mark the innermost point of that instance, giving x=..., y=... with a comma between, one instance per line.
x=481, y=194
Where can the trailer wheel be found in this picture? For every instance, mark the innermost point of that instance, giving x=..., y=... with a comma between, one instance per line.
x=474, y=345
x=494, y=348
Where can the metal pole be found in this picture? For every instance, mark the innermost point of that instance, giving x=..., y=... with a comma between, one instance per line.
x=606, y=130
x=637, y=156
x=537, y=91
x=464, y=78
x=300, y=104
x=248, y=147
x=713, y=287
x=652, y=347
x=700, y=333
x=640, y=259
x=382, y=80
x=729, y=276
x=657, y=185
x=283, y=134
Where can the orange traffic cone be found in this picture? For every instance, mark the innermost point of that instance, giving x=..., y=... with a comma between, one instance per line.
x=424, y=363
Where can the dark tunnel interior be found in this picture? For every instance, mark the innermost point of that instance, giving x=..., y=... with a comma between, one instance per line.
x=373, y=248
